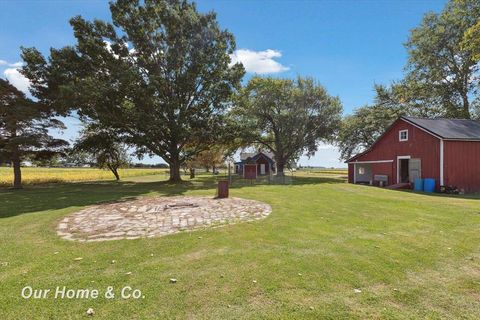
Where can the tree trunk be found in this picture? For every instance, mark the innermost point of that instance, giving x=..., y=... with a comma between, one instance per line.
x=114, y=171
x=192, y=173
x=175, y=171
x=280, y=168
x=17, y=172
x=466, y=106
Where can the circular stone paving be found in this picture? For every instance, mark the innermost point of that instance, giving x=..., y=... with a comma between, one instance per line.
x=157, y=216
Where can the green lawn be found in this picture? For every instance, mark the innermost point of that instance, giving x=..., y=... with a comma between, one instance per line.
x=411, y=255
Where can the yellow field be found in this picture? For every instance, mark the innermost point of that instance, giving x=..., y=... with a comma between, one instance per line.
x=54, y=175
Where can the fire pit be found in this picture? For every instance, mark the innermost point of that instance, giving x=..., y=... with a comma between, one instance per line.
x=180, y=205
x=157, y=216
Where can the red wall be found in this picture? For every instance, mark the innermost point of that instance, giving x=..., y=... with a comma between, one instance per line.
x=462, y=164
x=377, y=168
x=386, y=168
x=350, y=173
x=419, y=145
x=250, y=171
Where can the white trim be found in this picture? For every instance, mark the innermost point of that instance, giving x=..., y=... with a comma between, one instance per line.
x=398, y=165
x=372, y=161
x=391, y=127
x=463, y=140
x=400, y=135
x=437, y=136
x=416, y=126
x=262, y=166
x=441, y=163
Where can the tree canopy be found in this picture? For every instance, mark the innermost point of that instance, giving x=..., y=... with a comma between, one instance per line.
x=210, y=159
x=441, y=78
x=441, y=68
x=160, y=74
x=105, y=147
x=24, y=126
x=287, y=117
x=471, y=41
x=362, y=128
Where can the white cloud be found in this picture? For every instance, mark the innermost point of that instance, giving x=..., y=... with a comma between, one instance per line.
x=108, y=44
x=17, y=79
x=14, y=76
x=326, y=146
x=16, y=64
x=261, y=62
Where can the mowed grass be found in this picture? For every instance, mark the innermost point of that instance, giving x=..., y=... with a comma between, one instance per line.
x=31, y=176
x=411, y=255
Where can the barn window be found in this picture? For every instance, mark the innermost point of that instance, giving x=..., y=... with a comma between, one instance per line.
x=403, y=135
x=361, y=170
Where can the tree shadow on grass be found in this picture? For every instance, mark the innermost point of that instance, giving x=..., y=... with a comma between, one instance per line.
x=317, y=180
x=242, y=183
x=80, y=194
x=60, y=196
x=468, y=196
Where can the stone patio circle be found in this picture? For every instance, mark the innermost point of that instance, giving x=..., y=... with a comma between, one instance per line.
x=156, y=217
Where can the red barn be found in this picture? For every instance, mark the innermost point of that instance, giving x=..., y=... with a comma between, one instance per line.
x=447, y=150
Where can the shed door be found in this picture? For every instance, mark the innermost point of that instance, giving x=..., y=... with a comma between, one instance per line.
x=262, y=168
x=250, y=171
x=415, y=168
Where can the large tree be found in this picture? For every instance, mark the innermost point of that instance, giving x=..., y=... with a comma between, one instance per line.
x=287, y=117
x=105, y=147
x=161, y=74
x=471, y=40
x=440, y=66
x=441, y=77
x=24, y=126
x=362, y=128
x=212, y=158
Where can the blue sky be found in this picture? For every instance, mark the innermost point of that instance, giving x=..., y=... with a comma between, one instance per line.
x=346, y=45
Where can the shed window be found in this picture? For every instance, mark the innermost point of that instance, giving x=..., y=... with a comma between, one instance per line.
x=361, y=170
x=403, y=135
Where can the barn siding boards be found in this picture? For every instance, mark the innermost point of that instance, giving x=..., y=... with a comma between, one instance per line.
x=462, y=164
x=420, y=145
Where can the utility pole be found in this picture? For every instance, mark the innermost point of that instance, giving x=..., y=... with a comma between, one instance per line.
x=229, y=172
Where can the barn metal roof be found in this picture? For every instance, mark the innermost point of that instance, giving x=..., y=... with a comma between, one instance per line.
x=450, y=129
x=246, y=155
x=455, y=129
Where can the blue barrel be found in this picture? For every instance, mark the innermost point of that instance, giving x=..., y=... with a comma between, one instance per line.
x=429, y=185
x=418, y=184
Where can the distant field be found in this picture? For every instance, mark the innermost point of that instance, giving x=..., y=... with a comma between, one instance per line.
x=34, y=176
x=340, y=171
x=54, y=175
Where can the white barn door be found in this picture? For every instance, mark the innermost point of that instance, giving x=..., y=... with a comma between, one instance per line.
x=415, y=169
